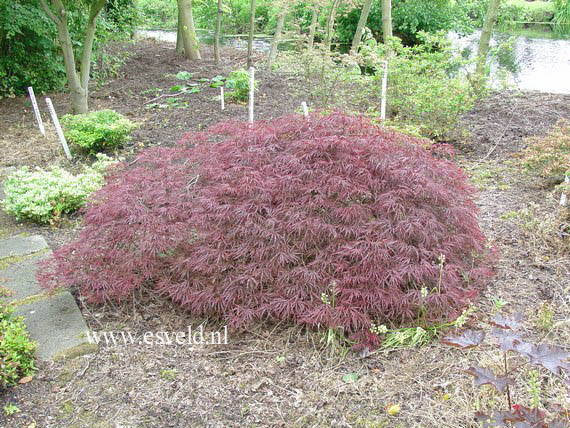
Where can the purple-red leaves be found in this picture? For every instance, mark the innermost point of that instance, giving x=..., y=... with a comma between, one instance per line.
x=550, y=357
x=467, y=339
x=256, y=222
x=511, y=322
x=498, y=419
x=508, y=339
x=530, y=418
x=484, y=376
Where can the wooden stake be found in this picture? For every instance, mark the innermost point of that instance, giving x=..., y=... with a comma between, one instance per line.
x=305, y=109
x=384, y=89
x=251, y=91
x=222, y=100
x=564, y=197
x=58, y=128
x=36, y=110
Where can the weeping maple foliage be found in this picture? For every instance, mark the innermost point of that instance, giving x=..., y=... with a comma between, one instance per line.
x=327, y=221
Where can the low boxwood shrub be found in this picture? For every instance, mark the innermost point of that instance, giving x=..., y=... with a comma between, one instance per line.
x=43, y=196
x=97, y=131
x=17, y=351
x=329, y=222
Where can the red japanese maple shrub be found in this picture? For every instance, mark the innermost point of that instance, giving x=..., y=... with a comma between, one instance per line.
x=261, y=222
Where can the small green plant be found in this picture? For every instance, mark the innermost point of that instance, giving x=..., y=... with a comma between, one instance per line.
x=333, y=338
x=217, y=81
x=16, y=349
x=11, y=409
x=552, y=358
x=183, y=75
x=498, y=302
x=168, y=374
x=423, y=333
x=238, y=81
x=97, y=131
x=410, y=337
x=545, y=317
x=43, y=196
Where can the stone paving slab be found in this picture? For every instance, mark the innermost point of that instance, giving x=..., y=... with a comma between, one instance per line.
x=17, y=246
x=58, y=327
x=20, y=278
x=53, y=321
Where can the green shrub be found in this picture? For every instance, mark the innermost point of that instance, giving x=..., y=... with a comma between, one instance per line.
x=97, y=131
x=239, y=81
x=43, y=196
x=158, y=14
x=562, y=16
x=427, y=86
x=16, y=348
x=549, y=156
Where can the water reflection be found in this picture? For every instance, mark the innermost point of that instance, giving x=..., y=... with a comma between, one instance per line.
x=537, y=64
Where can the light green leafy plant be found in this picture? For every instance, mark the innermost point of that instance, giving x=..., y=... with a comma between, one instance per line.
x=16, y=349
x=239, y=81
x=43, y=196
x=97, y=131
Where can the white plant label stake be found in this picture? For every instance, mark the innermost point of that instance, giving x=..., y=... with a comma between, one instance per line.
x=564, y=197
x=251, y=91
x=305, y=109
x=222, y=97
x=58, y=128
x=384, y=89
x=36, y=110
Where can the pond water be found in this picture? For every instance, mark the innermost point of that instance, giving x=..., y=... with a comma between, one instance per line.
x=260, y=43
x=536, y=62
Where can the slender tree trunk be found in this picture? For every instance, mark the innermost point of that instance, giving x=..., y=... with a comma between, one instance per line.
x=330, y=22
x=360, y=27
x=313, y=27
x=276, y=37
x=387, y=19
x=179, y=42
x=484, y=42
x=189, y=39
x=217, y=32
x=78, y=81
x=250, y=38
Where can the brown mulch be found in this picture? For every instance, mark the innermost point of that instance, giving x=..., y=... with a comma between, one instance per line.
x=280, y=375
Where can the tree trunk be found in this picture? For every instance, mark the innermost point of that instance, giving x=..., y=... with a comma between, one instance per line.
x=217, y=32
x=387, y=20
x=360, y=27
x=179, y=42
x=313, y=27
x=250, y=38
x=189, y=39
x=330, y=22
x=486, y=32
x=78, y=81
x=276, y=37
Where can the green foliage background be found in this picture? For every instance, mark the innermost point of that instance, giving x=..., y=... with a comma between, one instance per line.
x=30, y=54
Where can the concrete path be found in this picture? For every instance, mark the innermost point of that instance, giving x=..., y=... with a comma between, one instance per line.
x=54, y=321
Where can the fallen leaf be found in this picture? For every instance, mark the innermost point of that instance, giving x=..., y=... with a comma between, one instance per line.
x=393, y=409
x=26, y=379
